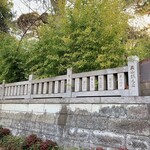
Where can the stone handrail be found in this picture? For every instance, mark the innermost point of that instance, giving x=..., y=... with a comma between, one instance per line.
x=122, y=81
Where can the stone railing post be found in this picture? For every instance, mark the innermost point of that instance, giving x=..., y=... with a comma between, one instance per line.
x=133, y=76
x=31, y=77
x=3, y=90
x=69, y=82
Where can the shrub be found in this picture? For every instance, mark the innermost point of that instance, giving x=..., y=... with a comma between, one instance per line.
x=31, y=142
x=49, y=145
x=12, y=142
x=98, y=148
x=4, y=132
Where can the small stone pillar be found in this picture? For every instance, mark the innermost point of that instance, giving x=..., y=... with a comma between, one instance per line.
x=69, y=82
x=92, y=83
x=3, y=90
x=62, y=86
x=111, y=84
x=31, y=77
x=84, y=84
x=133, y=76
x=101, y=83
x=121, y=81
x=78, y=85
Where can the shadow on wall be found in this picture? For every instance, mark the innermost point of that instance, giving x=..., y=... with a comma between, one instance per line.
x=63, y=115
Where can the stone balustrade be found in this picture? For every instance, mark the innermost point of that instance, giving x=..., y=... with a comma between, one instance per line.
x=122, y=81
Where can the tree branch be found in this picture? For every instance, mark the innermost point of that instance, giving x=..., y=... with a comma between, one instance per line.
x=28, y=29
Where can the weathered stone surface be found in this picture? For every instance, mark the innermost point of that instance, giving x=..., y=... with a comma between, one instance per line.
x=138, y=142
x=37, y=126
x=62, y=120
x=21, y=132
x=17, y=124
x=52, y=137
x=60, y=131
x=70, y=133
x=16, y=132
x=21, y=124
x=29, y=125
x=94, y=146
x=133, y=75
x=53, y=108
x=81, y=145
x=48, y=129
x=82, y=135
x=45, y=118
x=16, y=115
x=107, y=139
x=137, y=111
x=139, y=127
x=80, y=109
x=71, y=120
x=108, y=122
x=82, y=121
x=27, y=116
x=89, y=122
x=98, y=123
x=69, y=144
x=114, y=111
x=125, y=100
x=86, y=100
x=53, y=130
x=77, y=133
x=33, y=118
x=108, y=148
x=5, y=122
x=3, y=114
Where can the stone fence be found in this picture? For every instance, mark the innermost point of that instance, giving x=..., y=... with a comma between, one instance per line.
x=122, y=81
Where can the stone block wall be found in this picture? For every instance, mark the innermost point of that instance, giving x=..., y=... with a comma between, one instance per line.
x=107, y=122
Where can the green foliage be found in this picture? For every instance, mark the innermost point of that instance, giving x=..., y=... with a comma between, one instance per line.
x=12, y=67
x=12, y=142
x=5, y=14
x=4, y=132
x=88, y=36
x=139, y=46
x=11, y=61
x=49, y=145
x=85, y=35
x=31, y=142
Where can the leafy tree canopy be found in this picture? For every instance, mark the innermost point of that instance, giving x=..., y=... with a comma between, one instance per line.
x=12, y=67
x=83, y=34
x=10, y=60
x=5, y=14
x=87, y=36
